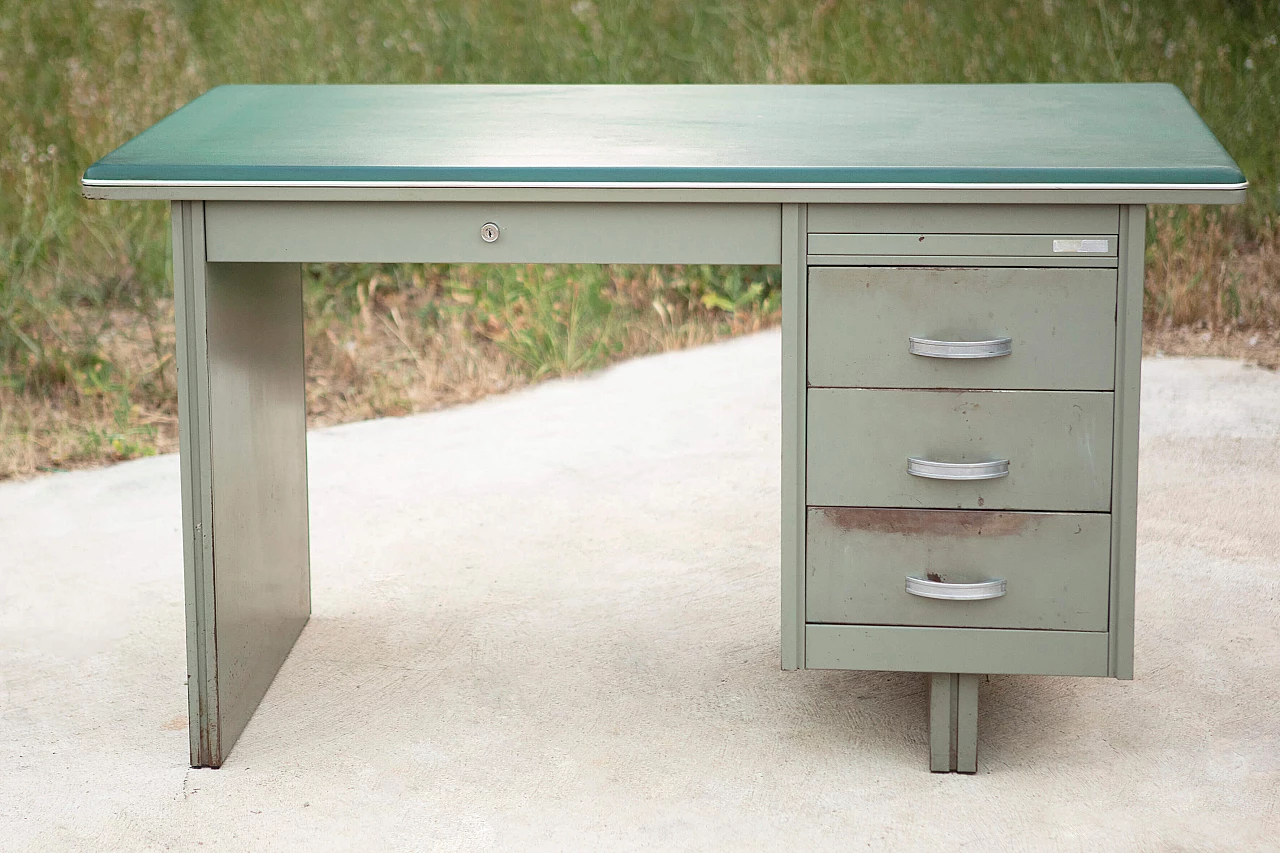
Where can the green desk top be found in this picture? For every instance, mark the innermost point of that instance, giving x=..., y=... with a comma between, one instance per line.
x=1133, y=136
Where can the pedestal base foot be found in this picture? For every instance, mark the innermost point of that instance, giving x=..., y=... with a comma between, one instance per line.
x=953, y=723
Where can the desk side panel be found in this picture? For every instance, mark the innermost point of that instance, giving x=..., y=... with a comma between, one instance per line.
x=257, y=441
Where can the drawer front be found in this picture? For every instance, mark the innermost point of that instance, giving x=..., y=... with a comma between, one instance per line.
x=450, y=232
x=1060, y=327
x=1057, y=444
x=1055, y=568
x=967, y=245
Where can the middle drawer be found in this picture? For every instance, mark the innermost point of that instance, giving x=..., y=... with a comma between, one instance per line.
x=1057, y=446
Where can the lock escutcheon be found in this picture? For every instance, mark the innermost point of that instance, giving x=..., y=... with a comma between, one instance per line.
x=489, y=232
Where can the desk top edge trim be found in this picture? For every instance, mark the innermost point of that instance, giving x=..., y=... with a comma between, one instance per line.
x=648, y=185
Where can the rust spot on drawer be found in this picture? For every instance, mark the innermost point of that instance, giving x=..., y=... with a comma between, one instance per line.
x=927, y=522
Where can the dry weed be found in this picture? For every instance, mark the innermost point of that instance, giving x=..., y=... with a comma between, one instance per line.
x=1204, y=271
x=415, y=339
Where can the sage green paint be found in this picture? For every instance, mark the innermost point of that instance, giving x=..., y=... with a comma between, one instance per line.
x=1124, y=497
x=953, y=722
x=974, y=245
x=1135, y=134
x=943, y=694
x=187, y=221
x=257, y=453
x=243, y=471
x=963, y=218
x=1062, y=323
x=378, y=232
x=898, y=648
x=1058, y=444
x=921, y=176
x=961, y=261
x=1057, y=567
x=794, y=333
x=966, y=686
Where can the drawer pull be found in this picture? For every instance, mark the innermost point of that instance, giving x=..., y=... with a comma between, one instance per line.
x=960, y=349
x=926, y=588
x=931, y=470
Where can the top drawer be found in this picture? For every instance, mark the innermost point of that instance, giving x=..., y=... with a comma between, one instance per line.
x=869, y=327
x=1049, y=249
x=963, y=234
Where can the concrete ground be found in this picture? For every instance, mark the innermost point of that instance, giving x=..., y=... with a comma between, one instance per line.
x=549, y=621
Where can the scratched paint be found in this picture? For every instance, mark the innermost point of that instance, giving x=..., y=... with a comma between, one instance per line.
x=928, y=522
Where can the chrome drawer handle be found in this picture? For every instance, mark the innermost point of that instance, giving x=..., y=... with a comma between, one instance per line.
x=931, y=470
x=960, y=349
x=926, y=588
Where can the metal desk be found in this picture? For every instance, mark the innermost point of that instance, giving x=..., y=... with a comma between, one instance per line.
x=962, y=304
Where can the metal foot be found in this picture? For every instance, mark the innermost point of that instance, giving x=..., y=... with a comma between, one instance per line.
x=953, y=722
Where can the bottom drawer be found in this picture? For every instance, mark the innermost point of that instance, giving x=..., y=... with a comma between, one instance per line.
x=1055, y=568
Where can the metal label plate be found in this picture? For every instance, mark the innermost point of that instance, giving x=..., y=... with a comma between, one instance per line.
x=1086, y=247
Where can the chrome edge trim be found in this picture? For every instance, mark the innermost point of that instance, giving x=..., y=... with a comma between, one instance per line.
x=674, y=185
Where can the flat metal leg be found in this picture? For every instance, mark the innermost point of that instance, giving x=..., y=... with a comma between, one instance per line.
x=942, y=697
x=967, y=723
x=242, y=414
x=953, y=722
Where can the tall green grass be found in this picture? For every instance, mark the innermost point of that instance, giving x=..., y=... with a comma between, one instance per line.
x=79, y=77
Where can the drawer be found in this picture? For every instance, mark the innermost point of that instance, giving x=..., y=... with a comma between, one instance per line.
x=1058, y=326
x=450, y=232
x=1057, y=245
x=1057, y=445
x=1055, y=568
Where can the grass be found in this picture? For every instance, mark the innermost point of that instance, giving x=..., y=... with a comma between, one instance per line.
x=86, y=332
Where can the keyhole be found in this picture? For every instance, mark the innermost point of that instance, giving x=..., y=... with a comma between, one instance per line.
x=489, y=232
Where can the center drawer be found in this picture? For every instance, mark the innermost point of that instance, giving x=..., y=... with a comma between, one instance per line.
x=1039, y=570
x=1050, y=328
x=1057, y=446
